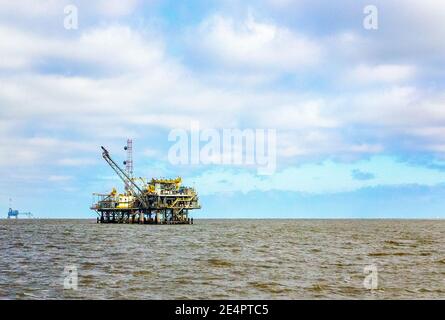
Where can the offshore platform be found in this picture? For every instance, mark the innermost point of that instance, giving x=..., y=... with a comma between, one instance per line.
x=15, y=213
x=155, y=201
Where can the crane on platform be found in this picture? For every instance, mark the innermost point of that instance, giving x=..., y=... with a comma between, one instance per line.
x=132, y=187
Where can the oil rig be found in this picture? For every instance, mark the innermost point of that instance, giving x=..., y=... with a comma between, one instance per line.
x=15, y=213
x=155, y=201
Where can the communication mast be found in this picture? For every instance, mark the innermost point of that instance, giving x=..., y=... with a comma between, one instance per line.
x=129, y=162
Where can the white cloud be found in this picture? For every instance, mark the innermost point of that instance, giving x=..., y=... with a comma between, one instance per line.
x=96, y=48
x=253, y=44
x=382, y=74
x=402, y=107
x=35, y=151
x=307, y=114
x=31, y=8
x=125, y=81
x=45, y=8
x=117, y=7
x=147, y=88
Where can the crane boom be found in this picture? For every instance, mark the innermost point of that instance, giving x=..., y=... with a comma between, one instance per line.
x=132, y=186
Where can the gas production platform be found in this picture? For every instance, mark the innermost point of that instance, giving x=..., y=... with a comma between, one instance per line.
x=155, y=201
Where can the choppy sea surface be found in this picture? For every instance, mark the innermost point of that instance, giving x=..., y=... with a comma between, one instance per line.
x=223, y=259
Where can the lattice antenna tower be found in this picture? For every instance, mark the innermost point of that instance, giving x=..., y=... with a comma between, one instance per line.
x=129, y=162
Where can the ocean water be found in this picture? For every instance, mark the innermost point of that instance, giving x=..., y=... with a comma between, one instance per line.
x=223, y=259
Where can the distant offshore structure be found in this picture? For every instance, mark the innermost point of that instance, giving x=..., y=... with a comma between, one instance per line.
x=159, y=201
x=15, y=214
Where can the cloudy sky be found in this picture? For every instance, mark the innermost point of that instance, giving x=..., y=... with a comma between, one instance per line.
x=359, y=114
